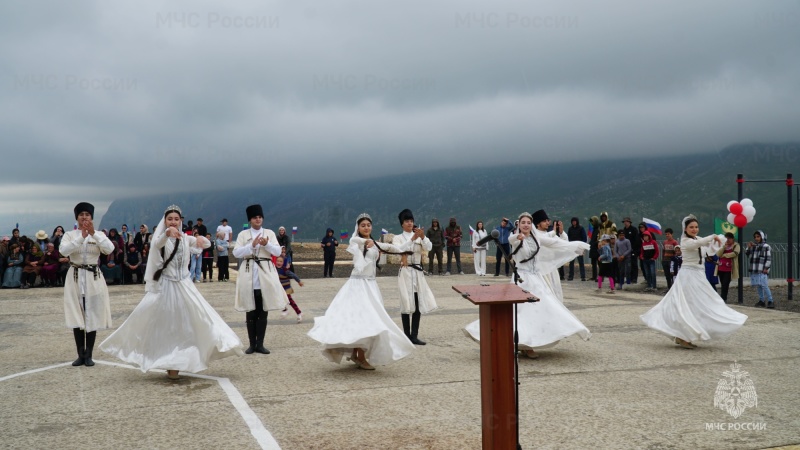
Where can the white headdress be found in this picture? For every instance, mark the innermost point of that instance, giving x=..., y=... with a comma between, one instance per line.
x=687, y=219
x=154, y=259
x=358, y=219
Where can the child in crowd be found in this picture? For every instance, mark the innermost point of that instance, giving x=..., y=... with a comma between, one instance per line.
x=612, y=244
x=208, y=261
x=676, y=261
x=605, y=259
x=196, y=260
x=286, y=276
x=648, y=255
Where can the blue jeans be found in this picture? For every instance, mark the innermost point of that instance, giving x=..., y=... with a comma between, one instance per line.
x=649, y=268
x=195, y=265
x=759, y=280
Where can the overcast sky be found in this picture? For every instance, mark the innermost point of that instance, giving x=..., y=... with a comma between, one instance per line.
x=105, y=99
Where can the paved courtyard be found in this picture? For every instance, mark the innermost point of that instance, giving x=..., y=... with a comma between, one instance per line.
x=627, y=387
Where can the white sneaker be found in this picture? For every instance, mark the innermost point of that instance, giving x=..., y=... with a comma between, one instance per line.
x=299, y=318
x=447, y=274
x=461, y=273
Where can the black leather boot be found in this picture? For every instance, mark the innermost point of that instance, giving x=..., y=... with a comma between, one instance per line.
x=406, y=318
x=415, y=329
x=261, y=330
x=251, y=335
x=87, y=355
x=80, y=343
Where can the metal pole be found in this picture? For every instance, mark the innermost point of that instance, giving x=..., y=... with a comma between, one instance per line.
x=740, y=288
x=789, y=278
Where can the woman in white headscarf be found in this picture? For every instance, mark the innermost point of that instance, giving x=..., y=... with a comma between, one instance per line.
x=544, y=323
x=356, y=323
x=173, y=327
x=692, y=310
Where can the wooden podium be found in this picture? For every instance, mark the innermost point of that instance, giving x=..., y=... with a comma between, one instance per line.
x=498, y=402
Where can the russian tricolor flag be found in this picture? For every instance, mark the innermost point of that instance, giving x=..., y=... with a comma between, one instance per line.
x=384, y=231
x=652, y=225
x=294, y=230
x=471, y=230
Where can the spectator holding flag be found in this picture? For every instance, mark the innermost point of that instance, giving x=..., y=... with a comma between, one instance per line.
x=328, y=245
x=479, y=251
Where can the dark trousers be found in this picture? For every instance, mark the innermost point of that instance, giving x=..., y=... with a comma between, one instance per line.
x=667, y=273
x=411, y=321
x=725, y=282
x=438, y=253
x=208, y=265
x=222, y=268
x=594, y=268
x=499, y=257
x=128, y=273
x=457, y=251
x=257, y=321
x=635, y=262
x=327, y=271
x=580, y=267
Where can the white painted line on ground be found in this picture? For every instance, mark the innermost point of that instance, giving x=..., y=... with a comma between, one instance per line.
x=15, y=375
x=257, y=429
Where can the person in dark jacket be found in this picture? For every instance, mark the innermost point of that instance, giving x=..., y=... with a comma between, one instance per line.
x=593, y=252
x=576, y=232
x=632, y=234
x=329, y=244
x=436, y=235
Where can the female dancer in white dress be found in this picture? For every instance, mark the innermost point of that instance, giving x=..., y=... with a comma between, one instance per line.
x=692, y=310
x=541, y=324
x=356, y=323
x=173, y=327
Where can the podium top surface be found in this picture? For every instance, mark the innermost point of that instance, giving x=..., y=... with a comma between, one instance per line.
x=494, y=293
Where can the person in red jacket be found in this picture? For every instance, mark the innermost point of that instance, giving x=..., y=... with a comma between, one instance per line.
x=648, y=255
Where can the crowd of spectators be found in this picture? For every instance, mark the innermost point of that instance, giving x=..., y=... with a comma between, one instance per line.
x=27, y=262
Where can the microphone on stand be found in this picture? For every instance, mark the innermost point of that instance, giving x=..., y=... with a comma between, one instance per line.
x=491, y=237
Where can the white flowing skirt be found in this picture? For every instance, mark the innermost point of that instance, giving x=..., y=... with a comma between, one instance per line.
x=692, y=310
x=356, y=318
x=175, y=329
x=541, y=324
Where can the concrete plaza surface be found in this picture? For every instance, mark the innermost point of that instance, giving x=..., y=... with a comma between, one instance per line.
x=627, y=387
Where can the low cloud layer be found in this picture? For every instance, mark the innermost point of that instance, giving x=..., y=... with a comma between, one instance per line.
x=101, y=100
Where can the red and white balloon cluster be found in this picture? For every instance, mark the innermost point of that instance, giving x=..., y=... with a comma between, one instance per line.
x=741, y=213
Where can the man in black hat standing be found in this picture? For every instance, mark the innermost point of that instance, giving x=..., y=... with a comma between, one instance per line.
x=416, y=297
x=86, y=304
x=258, y=288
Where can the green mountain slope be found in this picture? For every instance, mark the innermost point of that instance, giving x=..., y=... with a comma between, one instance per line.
x=664, y=189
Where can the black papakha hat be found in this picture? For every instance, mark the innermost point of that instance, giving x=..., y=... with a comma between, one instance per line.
x=84, y=207
x=254, y=210
x=539, y=216
x=405, y=215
